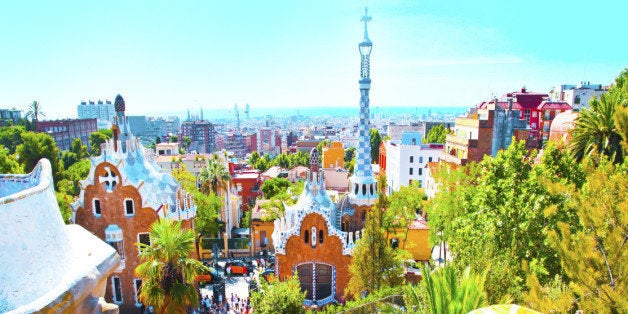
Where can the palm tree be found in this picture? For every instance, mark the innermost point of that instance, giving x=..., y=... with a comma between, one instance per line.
x=595, y=130
x=214, y=176
x=34, y=112
x=446, y=293
x=167, y=271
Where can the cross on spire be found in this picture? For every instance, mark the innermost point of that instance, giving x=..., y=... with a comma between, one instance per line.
x=366, y=18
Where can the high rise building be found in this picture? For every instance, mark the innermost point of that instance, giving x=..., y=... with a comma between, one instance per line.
x=363, y=188
x=65, y=131
x=202, y=134
x=101, y=110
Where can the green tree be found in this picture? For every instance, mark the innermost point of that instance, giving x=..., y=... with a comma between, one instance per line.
x=321, y=145
x=245, y=221
x=214, y=176
x=436, y=134
x=499, y=206
x=376, y=139
x=279, y=297
x=282, y=160
x=34, y=112
x=274, y=186
x=595, y=257
x=206, y=222
x=10, y=137
x=186, y=142
x=78, y=148
x=174, y=139
x=349, y=154
x=167, y=270
x=36, y=146
x=405, y=204
x=373, y=255
x=95, y=139
x=595, y=130
x=207, y=217
x=8, y=162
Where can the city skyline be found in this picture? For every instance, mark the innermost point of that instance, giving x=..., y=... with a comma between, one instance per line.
x=164, y=57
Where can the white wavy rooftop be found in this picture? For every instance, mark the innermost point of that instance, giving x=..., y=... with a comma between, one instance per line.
x=46, y=265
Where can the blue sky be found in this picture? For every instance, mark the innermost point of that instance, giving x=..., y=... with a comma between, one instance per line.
x=165, y=55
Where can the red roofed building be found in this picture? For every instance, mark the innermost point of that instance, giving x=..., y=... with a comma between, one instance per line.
x=536, y=108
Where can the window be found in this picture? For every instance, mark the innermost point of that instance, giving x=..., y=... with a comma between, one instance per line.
x=320, y=236
x=429, y=159
x=97, y=210
x=137, y=284
x=117, y=289
x=411, y=159
x=411, y=171
x=420, y=171
x=143, y=238
x=306, y=236
x=119, y=247
x=526, y=115
x=129, y=208
x=420, y=159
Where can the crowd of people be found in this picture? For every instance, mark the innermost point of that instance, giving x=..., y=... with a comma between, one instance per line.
x=232, y=305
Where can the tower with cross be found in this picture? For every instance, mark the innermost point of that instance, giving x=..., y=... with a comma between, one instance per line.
x=363, y=188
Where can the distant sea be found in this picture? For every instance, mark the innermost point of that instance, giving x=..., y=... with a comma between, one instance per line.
x=213, y=114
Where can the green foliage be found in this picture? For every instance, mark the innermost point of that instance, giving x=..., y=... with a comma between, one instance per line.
x=71, y=177
x=436, y=134
x=167, y=270
x=174, y=139
x=376, y=139
x=595, y=257
x=275, y=208
x=8, y=162
x=214, y=176
x=500, y=206
x=34, y=112
x=36, y=146
x=245, y=221
x=274, y=187
x=321, y=144
x=368, y=304
x=64, y=201
x=279, y=297
x=10, y=137
x=595, y=131
x=404, y=206
x=207, y=217
x=95, y=139
x=448, y=292
x=373, y=255
x=283, y=160
x=349, y=154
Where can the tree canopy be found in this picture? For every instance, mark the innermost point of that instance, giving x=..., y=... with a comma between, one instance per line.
x=279, y=297
x=376, y=139
x=436, y=134
x=274, y=187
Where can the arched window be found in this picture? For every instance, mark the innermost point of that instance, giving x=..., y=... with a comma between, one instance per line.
x=371, y=187
x=320, y=236
x=363, y=189
x=356, y=189
x=306, y=236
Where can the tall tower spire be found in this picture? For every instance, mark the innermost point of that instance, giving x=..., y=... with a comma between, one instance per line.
x=363, y=188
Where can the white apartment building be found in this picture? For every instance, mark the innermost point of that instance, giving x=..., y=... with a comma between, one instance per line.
x=101, y=110
x=406, y=160
x=577, y=96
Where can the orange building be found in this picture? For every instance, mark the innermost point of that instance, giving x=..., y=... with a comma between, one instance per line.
x=123, y=195
x=309, y=240
x=334, y=156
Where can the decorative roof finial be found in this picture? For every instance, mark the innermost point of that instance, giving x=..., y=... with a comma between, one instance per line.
x=366, y=18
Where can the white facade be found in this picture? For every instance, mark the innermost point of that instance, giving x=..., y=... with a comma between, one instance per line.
x=577, y=96
x=406, y=163
x=101, y=110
